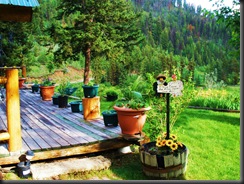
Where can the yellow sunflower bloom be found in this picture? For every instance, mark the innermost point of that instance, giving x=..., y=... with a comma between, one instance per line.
x=180, y=144
x=174, y=137
x=159, y=144
x=158, y=138
x=165, y=134
x=174, y=146
x=163, y=142
x=169, y=142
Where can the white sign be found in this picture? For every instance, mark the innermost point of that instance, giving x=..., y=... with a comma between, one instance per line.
x=173, y=87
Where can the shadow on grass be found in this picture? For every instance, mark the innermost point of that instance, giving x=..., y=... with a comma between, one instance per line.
x=221, y=117
x=129, y=167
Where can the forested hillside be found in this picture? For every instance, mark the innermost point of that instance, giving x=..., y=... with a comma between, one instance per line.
x=177, y=36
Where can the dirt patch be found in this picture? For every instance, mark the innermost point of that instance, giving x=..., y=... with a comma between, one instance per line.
x=71, y=73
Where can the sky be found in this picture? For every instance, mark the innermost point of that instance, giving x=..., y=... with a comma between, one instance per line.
x=206, y=4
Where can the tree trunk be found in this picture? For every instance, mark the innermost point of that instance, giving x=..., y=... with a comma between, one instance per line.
x=87, y=64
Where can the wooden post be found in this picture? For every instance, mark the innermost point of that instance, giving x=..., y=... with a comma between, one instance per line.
x=91, y=107
x=13, y=110
x=23, y=68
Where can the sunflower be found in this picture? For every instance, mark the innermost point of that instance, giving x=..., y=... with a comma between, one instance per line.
x=174, y=146
x=174, y=137
x=159, y=138
x=165, y=134
x=169, y=142
x=180, y=144
x=163, y=142
x=159, y=144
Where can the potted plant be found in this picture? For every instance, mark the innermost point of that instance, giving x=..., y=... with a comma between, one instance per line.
x=111, y=95
x=55, y=98
x=76, y=106
x=132, y=113
x=47, y=89
x=90, y=90
x=63, y=97
x=35, y=87
x=110, y=117
x=21, y=82
x=164, y=158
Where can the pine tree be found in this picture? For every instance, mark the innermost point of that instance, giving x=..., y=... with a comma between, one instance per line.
x=95, y=27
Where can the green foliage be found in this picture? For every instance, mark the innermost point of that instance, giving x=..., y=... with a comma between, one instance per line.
x=111, y=92
x=224, y=98
x=47, y=82
x=62, y=87
x=173, y=36
x=157, y=115
x=211, y=80
x=103, y=27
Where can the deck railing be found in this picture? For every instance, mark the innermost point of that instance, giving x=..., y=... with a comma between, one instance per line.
x=11, y=82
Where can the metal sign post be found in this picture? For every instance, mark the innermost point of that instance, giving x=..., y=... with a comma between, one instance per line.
x=174, y=87
x=167, y=114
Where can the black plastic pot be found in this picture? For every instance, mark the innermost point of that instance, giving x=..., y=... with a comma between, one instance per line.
x=110, y=118
x=62, y=101
x=76, y=106
x=35, y=88
x=55, y=100
x=112, y=97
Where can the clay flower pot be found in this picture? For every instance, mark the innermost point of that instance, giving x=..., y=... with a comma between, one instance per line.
x=131, y=121
x=21, y=82
x=47, y=92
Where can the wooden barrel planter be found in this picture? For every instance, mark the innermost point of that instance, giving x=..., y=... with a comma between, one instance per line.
x=163, y=166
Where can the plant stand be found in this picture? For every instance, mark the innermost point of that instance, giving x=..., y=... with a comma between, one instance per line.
x=91, y=108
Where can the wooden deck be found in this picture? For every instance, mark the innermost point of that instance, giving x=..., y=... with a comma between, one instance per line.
x=53, y=132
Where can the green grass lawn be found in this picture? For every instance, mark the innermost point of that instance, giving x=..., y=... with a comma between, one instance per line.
x=213, y=139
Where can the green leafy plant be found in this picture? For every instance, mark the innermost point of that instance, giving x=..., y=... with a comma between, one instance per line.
x=47, y=82
x=111, y=92
x=62, y=87
x=109, y=112
x=133, y=100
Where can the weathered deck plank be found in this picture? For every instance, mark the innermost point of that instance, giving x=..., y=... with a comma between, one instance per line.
x=53, y=132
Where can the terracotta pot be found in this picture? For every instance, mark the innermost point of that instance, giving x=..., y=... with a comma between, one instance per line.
x=131, y=121
x=47, y=92
x=21, y=82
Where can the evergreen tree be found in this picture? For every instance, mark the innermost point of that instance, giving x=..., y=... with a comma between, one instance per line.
x=95, y=27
